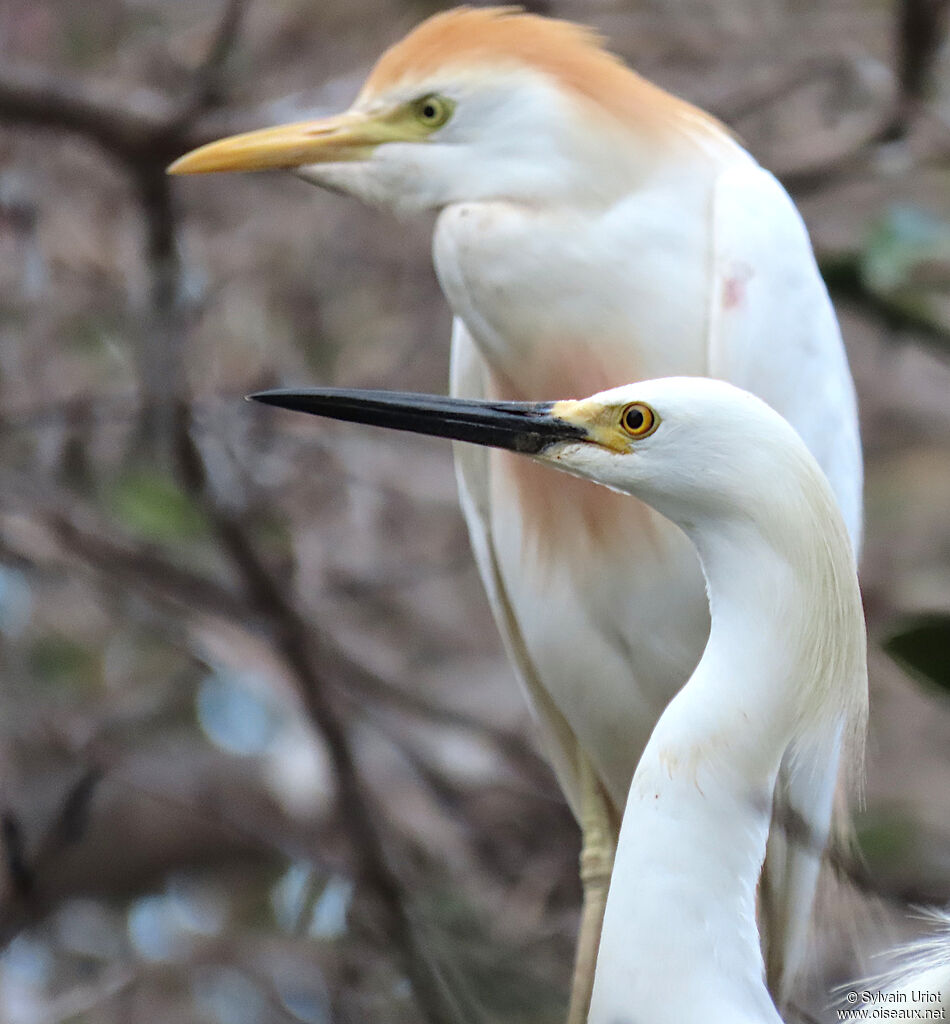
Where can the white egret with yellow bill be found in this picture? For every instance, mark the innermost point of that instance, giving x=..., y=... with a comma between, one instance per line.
x=592, y=229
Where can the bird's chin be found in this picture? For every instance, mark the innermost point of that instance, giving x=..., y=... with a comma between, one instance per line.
x=334, y=188
x=571, y=457
x=594, y=462
x=374, y=182
x=342, y=178
x=361, y=179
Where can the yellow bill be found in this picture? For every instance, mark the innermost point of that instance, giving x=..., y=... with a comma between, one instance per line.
x=349, y=136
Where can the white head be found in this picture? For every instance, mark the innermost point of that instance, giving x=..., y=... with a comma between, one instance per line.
x=700, y=451
x=480, y=104
x=719, y=463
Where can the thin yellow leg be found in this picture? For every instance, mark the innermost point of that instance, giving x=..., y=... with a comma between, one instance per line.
x=597, y=857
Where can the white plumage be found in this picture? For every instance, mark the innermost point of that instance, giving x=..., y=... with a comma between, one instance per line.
x=784, y=671
x=594, y=230
x=916, y=972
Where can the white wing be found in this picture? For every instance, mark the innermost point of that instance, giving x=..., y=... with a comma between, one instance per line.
x=773, y=331
x=601, y=602
x=467, y=378
x=602, y=630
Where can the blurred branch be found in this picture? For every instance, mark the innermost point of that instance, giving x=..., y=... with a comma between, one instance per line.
x=846, y=863
x=831, y=152
x=27, y=874
x=206, y=80
x=842, y=157
x=80, y=1000
x=268, y=601
x=848, y=148
x=921, y=26
x=65, y=829
x=145, y=133
x=843, y=274
x=141, y=568
x=148, y=570
x=752, y=97
x=201, y=811
x=510, y=745
x=18, y=871
x=293, y=638
x=142, y=137
x=143, y=143
x=148, y=131
x=162, y=376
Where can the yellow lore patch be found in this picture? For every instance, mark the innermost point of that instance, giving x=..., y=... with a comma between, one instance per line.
x=603, y=423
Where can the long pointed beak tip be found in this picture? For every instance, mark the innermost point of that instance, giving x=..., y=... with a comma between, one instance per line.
x=284, y=146
x=208, y=159
x=176, y=166
x=186, y=164
x=196, y=161
x=215, y=157
x=275, y=397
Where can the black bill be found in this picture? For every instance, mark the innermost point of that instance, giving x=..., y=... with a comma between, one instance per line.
x=526, y=427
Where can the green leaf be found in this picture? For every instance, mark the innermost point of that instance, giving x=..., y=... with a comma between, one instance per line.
x=922, y=645
x=60, y=661
x=907, y=251
x=885, y=838
x=152, y=503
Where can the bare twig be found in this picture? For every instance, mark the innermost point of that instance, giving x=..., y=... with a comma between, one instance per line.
x=18, y=870
x=147, y=570
x=133, y=133
x=206, y=84
x=831, y=153
x=142, y=138
x=921, y=26
x=292, y=637
x=205, y=812
x=752, y=97
x=26, y=872
x=72, y=819
x=146, y=133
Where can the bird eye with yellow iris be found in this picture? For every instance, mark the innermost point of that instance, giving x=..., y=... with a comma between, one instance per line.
x=432, y=111
x=639, y=420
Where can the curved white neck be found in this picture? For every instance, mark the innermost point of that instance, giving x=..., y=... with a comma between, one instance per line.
x=680, y=943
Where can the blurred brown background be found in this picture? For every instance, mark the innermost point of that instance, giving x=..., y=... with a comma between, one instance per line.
x=261, y=757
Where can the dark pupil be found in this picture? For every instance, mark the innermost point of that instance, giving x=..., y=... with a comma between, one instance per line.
x=429, y=111
x=635, y=419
